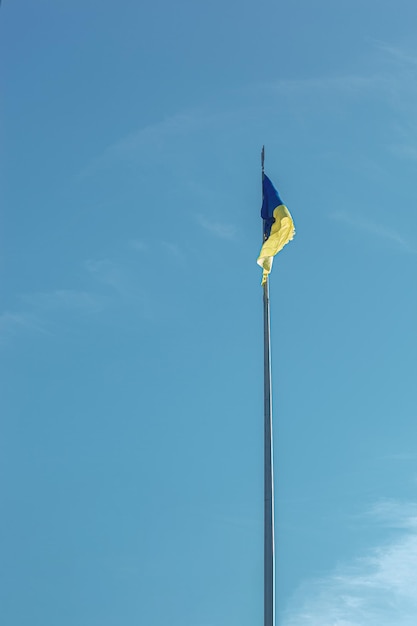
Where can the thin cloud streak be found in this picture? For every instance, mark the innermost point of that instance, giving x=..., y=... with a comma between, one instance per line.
x=395, y=85
x=218, y=229
x=398, y=53
x=138, y=245
x=120, y=285
x=68, y=299
x=349, y=83
x=108, y=273
x=378, y=589
x=173, y=250
x=169, y=247
x=405, y=151
x=14, y=322
x=373, y=229
x=38, y=309
x=154, y=137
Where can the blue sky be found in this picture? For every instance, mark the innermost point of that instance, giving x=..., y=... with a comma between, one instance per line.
x=131, y=311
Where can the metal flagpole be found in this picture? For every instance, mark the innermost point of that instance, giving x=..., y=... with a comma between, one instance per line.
x=269, y=544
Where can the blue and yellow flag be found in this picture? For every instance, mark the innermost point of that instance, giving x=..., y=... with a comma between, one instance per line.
x=278, y=226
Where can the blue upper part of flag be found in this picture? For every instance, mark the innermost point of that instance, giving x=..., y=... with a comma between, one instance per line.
x=270, y=201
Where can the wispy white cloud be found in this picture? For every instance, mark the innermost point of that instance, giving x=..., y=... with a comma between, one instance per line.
x=109, y=273
x=354, y=84
x=221, y=230
x=385, y=82
x=399, y=53
x=372, y=228
x=400, y=456
x=386, y=79
x=377, y=589
x=111, y=287
x=68, y=299
x=153, y=138
x=119, y=286
x=405, y=151
x=138, y=245
x=14, y=322
x=36, y=311
x=394, y=514
x=171, y=248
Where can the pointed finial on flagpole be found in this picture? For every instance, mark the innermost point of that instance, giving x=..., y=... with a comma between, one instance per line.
x=263, y=159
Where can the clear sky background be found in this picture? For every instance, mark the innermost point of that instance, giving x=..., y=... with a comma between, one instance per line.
x=131, y=469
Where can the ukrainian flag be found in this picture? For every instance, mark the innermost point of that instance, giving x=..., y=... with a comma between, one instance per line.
x=278, y=226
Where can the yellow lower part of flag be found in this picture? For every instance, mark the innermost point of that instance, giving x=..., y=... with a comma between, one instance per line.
x=282, y=232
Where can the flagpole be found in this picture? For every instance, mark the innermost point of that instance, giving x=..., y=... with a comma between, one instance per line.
x=269, y=544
